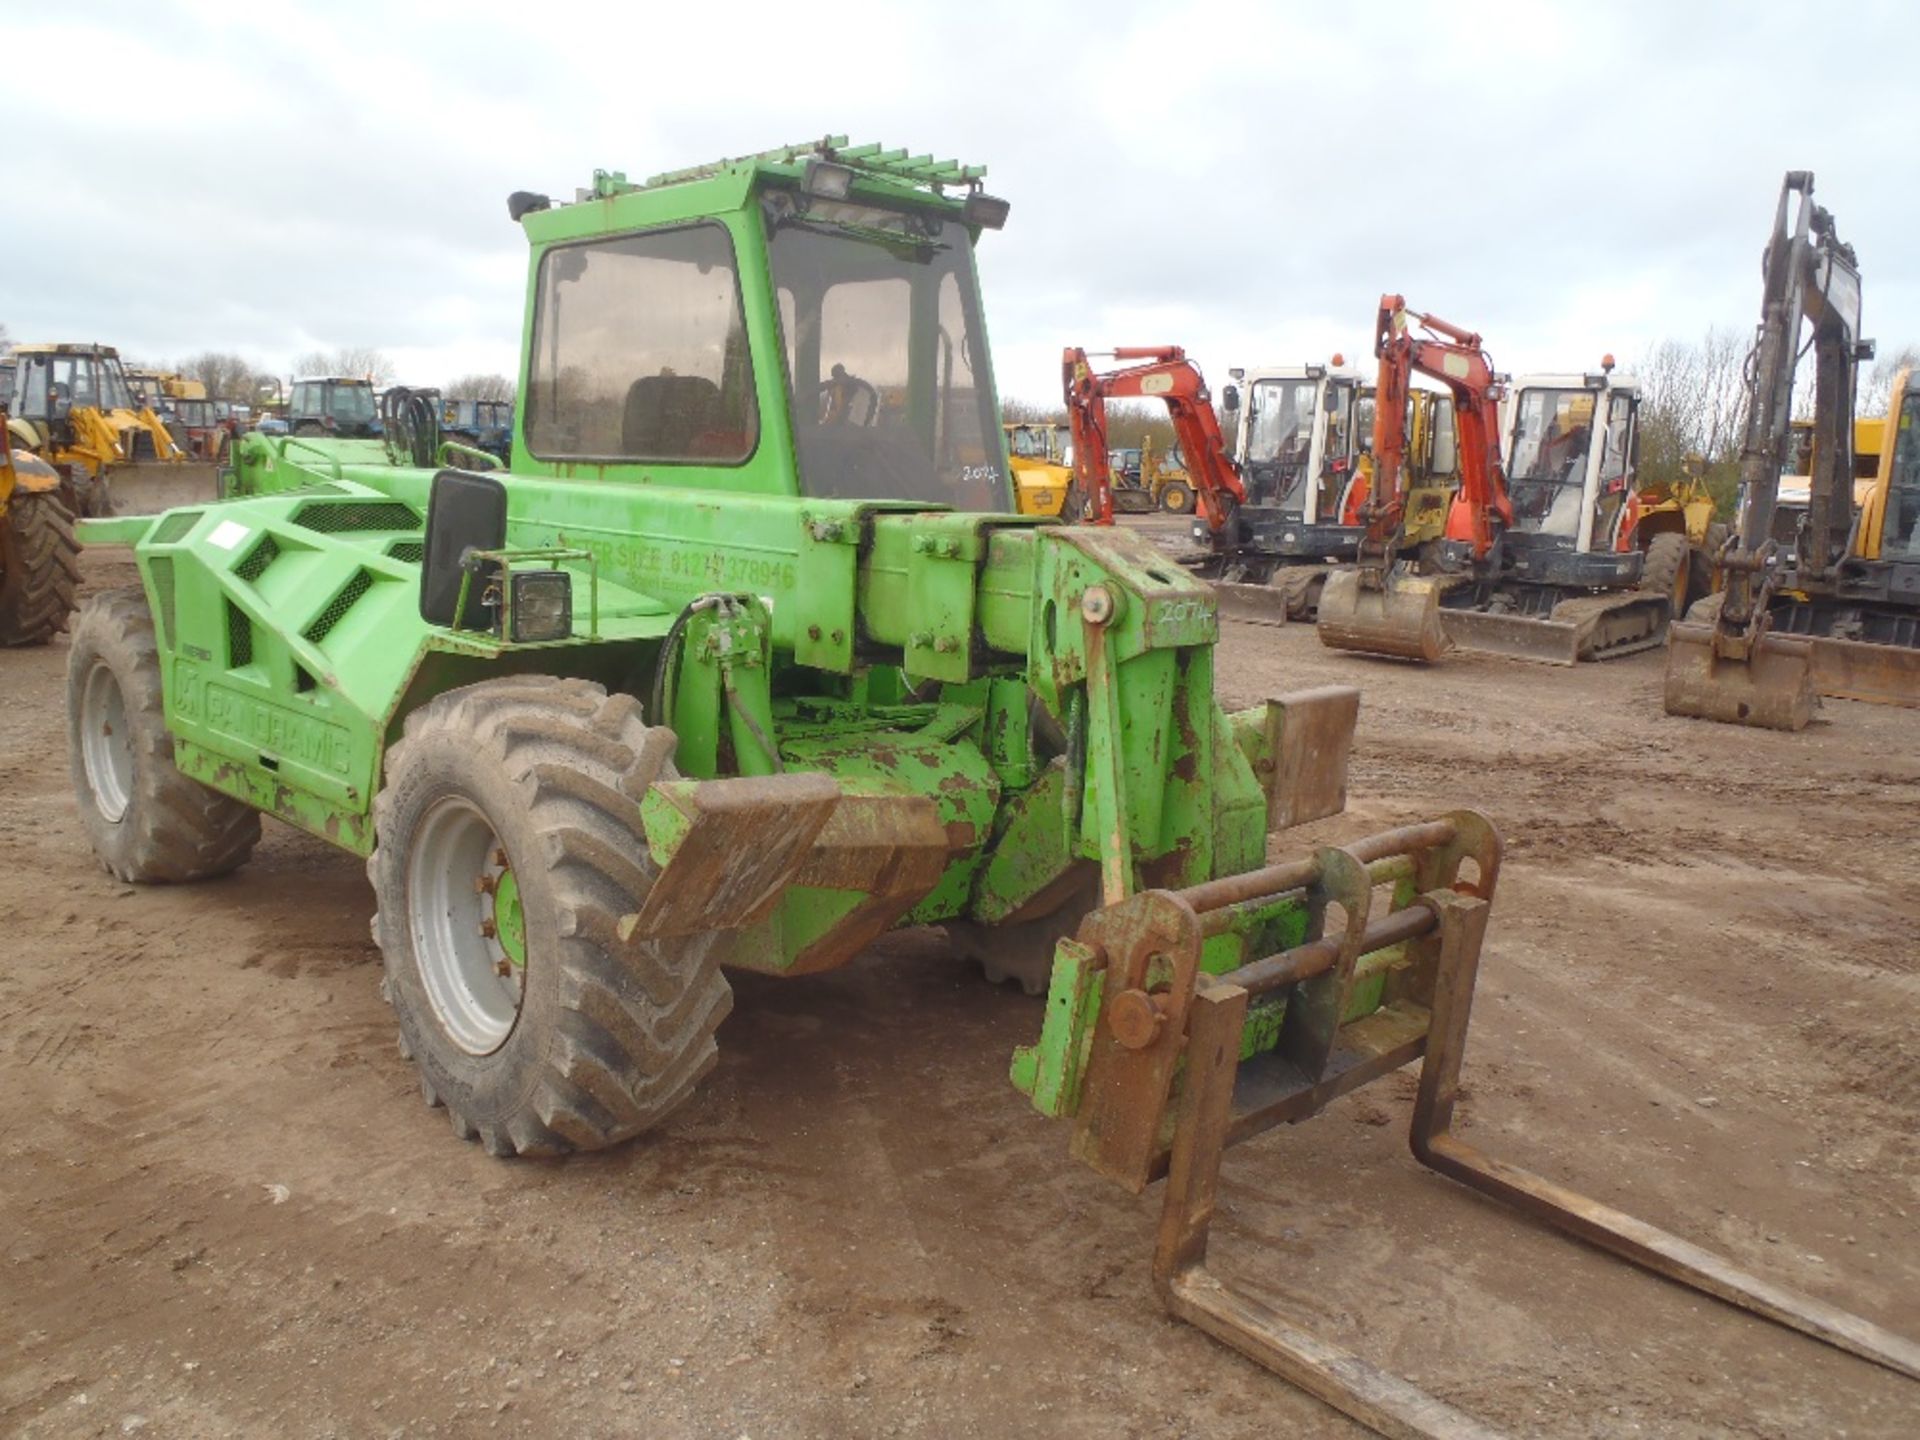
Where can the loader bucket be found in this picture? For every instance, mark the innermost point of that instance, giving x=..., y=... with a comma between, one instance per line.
x=1772, y=689
x=149, y=488
x=1857, y=670
x=1400, y=618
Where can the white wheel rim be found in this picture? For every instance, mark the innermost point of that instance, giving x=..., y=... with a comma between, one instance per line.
x=106, y=743
x=474, y=989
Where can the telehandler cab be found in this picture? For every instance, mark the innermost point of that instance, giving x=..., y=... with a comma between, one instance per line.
x=745, y=659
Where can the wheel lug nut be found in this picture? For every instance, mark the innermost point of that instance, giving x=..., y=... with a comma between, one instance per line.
x=488, y=929
x=484, y=884
x=502, y=968
x=499, y=857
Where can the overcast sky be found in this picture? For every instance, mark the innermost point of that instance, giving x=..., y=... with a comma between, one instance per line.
x=1240, y=179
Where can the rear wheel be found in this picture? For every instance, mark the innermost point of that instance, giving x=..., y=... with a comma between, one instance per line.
x=39, y=569
x=1176, y=497
x=507, y=852
x=1669, y=569
x=147, y=821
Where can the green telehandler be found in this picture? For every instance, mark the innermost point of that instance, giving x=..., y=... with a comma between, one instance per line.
x=745, y=659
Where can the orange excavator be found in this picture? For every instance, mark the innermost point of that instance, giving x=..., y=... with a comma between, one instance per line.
x=1168, y=375
x=1524, y=568
x=1371, y=608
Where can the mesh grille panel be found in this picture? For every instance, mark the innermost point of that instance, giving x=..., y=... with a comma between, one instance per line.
x=175, y=525
x=412, y=551
x=239, y=637
x=343, y=602
x=332, y=517
x=160, y=567
x=258, y=559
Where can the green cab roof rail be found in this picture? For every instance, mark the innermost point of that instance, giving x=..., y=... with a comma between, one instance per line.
x=872, y=159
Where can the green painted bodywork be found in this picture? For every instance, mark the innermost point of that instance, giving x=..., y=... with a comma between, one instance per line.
x=910, y=652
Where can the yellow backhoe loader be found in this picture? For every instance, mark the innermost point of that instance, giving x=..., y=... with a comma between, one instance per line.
x=74, y=401
x=1041, y=476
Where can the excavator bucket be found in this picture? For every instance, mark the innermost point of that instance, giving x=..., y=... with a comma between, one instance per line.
x=1400, y=618
x=1383, y=978
x=1857, y=670
x=1771, y=689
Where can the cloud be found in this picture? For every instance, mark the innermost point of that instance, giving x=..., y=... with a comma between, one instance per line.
x=1241, y=180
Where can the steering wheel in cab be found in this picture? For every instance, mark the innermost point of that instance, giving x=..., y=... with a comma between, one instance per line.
x=842, y=393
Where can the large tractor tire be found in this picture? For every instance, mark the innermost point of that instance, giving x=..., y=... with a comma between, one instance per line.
x=148, y=822
x=1176, y=497
x=1669, y=569
x=507, y=853
x=39, y=569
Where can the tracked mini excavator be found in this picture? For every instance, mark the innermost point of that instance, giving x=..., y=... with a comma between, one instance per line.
x=1837, y=612
x=1303, y=438
x=716, y=678
x=1164, y=373
x=1535, y=563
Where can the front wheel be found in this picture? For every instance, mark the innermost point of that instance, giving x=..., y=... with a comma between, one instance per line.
x=147, y=821
x=508, y=850
x=1669, y=569
x=1176, y=497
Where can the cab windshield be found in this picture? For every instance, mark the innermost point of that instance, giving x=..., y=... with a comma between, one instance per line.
x=114, y=394
x=892, y=391
x=1279, y=437
x=351, y=404
x=1547, y=467
x=1031, y=442
x=1900, y=538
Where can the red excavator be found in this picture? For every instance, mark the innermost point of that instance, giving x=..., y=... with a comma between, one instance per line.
x=1166, y=375
x=1370, y=608
x=1518, y=571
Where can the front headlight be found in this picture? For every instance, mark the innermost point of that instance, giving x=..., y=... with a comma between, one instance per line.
x=542, y=605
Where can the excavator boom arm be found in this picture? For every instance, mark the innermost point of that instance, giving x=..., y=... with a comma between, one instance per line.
x=1165, y=374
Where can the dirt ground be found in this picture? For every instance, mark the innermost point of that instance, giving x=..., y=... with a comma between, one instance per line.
x=225, y=1211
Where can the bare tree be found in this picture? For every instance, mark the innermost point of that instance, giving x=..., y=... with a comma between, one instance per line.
x=481, y=387
x=1693, y=401
x=226, y=376
x=1878, y=387
x=357, y=360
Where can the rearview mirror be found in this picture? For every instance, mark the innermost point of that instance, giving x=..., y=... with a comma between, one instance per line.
x=465, y=513
x=1230, y=398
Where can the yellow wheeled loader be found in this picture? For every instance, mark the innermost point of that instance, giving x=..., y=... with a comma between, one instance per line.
x=39, y=557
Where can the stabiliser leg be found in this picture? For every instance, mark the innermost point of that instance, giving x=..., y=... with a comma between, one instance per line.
x=1432, y=947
